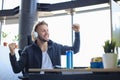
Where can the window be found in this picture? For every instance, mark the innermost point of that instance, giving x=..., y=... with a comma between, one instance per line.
x=10, y=4
x=94, y=29
x=12, y=31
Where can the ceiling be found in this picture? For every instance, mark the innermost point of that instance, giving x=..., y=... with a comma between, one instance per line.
x=48, y=9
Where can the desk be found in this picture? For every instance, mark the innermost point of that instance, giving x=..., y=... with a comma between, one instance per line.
x=76, y=74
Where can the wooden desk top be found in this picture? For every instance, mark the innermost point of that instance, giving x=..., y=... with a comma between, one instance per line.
x=77, y=70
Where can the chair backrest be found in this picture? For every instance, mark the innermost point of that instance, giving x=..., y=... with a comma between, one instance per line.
x=29, y=41
x=20, y=53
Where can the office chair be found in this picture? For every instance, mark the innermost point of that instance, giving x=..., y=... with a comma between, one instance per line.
x=23, y=77
x=29, y=41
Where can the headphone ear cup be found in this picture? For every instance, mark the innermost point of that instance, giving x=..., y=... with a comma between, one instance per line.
x=35, y=34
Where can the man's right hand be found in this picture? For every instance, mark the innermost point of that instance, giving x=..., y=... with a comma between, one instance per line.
x=12, y=47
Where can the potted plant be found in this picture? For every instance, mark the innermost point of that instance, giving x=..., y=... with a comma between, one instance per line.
x=4, y=36
x=109, y=46
x=16, y=39
x=110, y=57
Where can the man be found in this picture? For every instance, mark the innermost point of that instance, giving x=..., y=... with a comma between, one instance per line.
x=43, y=52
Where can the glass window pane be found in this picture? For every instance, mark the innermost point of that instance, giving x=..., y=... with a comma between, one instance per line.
x=1, y=4
x=59, y=26
x=12, y=31
x=52, y=1
x=60, y=31
x=95, y=29
x=10, y=4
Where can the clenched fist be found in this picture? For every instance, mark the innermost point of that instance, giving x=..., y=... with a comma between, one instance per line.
x=12, y=47
x=76, y=27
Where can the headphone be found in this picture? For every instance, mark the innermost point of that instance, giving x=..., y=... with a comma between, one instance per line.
x=35, y=34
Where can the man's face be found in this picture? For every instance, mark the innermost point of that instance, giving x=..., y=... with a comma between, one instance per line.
x=43, y=33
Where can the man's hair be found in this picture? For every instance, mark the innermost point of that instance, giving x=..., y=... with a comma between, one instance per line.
x=35, y=27
x=39, y=24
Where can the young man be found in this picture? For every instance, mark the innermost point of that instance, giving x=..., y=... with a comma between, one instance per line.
x=42, y=53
